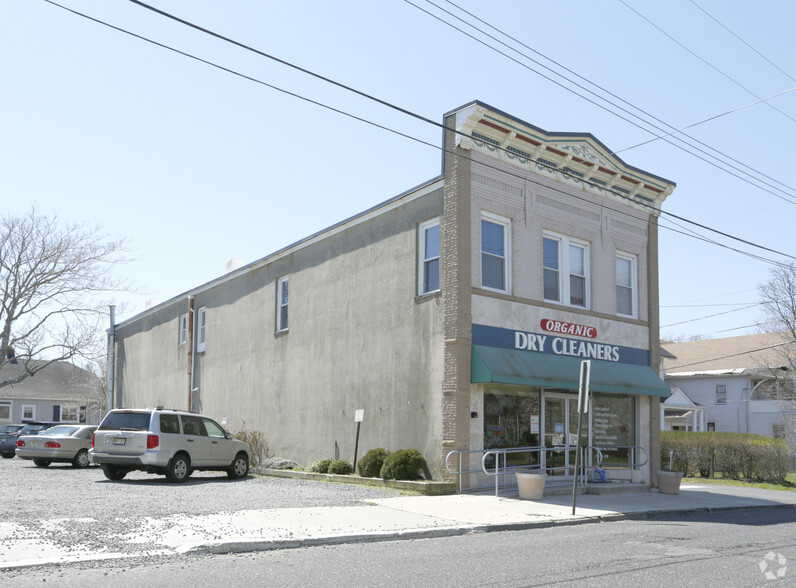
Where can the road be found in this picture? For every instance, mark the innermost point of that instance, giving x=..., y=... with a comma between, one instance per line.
x=700, y=550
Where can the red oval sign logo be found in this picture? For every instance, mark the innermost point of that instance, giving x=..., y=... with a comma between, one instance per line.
x=569, y=329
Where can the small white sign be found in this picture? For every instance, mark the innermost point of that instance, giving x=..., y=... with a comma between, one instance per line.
x=359, y=414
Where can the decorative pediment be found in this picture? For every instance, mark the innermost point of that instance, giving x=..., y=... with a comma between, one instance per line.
x=577, y=159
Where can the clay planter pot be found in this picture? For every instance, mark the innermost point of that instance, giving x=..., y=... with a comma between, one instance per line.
x=531, y=484
x=669, y=482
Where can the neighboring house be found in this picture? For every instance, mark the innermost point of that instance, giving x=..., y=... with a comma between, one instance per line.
x=743, y=384
x=456, y=314
x=60, y=392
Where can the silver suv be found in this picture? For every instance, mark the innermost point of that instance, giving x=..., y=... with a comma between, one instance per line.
x=167, y=442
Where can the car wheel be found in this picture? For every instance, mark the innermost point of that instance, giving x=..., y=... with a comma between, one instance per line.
x=42, y=463
x=179, y=468
x=7, y=455
x=81, y=460
x=239, y=467
x=114, y=473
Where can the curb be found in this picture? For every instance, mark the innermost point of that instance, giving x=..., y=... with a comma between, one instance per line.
x=454, y=531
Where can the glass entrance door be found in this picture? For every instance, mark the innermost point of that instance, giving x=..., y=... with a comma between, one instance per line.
x=560, y=433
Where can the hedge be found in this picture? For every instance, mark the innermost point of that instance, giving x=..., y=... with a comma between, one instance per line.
x=738, y=456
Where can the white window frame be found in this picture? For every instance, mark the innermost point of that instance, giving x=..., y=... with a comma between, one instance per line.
x=564, y=272
x=67, y=407
x=10, y=406
x=633, y=284
x=424, y=259
x=721, y=395
x=201, y=329
x=182, y=329
x=32, y=416
x=284, y=281
x=506, y=224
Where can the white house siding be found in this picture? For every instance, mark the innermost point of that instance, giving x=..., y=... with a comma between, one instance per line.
x=730, y=417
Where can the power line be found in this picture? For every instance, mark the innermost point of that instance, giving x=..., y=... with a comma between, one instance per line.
x=731, y=355
x=734, y=34
x=711, y=316
x=714, y=117
x=677, y=138
x=729, y=77
x=522, y=177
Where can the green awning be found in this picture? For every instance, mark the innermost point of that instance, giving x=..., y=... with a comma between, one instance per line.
x=524, y=368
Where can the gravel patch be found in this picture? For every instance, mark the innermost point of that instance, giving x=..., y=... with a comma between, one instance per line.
x=77, y=510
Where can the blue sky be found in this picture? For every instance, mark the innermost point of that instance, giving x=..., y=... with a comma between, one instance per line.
x=194, y=165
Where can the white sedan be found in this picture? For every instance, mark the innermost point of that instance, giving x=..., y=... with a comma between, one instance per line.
x=63, y=443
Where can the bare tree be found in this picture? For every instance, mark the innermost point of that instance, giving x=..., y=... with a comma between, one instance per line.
x=52, y=280
x=778, y=296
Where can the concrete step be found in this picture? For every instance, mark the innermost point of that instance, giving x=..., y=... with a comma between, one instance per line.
x=616, y=488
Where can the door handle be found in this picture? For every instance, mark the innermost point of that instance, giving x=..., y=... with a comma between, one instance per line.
x=189, y=440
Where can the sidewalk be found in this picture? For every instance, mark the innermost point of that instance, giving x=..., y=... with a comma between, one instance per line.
x=402, y=517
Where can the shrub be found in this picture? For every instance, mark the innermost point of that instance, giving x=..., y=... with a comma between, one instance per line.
x=735, y=455
x=370, y=464
x=321, y=467
x=257, y=444
x=341, y=467
x=404, y=464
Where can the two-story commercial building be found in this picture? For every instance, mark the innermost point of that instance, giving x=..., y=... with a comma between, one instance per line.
x=455, y=315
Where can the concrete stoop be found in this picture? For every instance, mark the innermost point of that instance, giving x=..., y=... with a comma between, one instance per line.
x=617, y=488
x=598, y=488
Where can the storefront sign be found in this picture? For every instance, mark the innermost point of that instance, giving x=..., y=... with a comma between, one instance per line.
x=557, y=345
x=569, y=328
x=561, y=346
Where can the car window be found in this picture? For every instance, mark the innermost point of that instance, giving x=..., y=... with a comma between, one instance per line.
x=213, y=428
x=169, y=423
x=192, y=425
x=89, y=432
x=62, y=430
x=129, y=421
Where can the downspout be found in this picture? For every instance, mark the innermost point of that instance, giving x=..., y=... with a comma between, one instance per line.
x=190, y=329
x=111, y=357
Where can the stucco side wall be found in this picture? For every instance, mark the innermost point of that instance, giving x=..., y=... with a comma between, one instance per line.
x=151, y=367
x=359, y=338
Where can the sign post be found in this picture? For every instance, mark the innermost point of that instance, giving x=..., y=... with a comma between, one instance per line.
x=359, y=414
x=583, y=408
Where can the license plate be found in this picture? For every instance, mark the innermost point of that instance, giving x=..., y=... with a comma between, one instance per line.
x=36, y=443
x=119, y=440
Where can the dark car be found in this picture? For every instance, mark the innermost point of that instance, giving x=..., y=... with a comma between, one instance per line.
x=8, y=442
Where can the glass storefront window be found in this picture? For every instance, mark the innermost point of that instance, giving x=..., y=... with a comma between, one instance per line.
x=515, y=416
x=511, y=419
x=613, y=428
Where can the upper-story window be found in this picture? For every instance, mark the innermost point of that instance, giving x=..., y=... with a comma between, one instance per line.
x=281, y=304
x=201, y=328
x=721, y=394
x=626, y=284
x=495, y=252
x=428, y=279
x=565, y=270
x=182, y=333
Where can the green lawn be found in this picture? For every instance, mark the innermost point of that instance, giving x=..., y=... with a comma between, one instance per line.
x=788, y=484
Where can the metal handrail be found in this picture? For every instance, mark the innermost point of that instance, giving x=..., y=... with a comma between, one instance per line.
x=633, y=465
x=501, y=455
